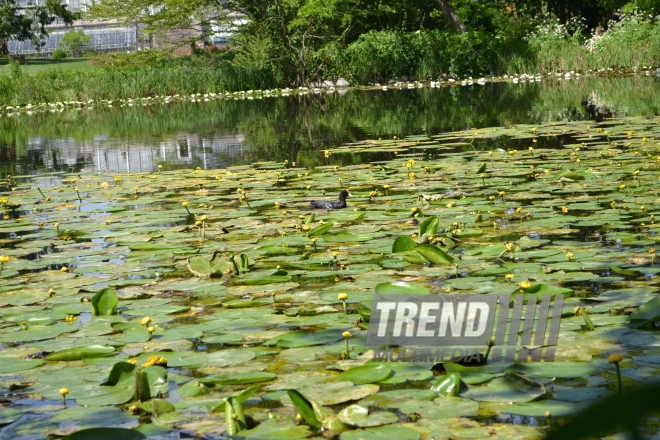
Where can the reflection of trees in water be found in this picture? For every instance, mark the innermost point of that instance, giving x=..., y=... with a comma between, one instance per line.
x=596, y=108
x=299, y=126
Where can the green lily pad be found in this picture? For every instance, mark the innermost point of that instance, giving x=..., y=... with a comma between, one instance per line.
x=359, y=417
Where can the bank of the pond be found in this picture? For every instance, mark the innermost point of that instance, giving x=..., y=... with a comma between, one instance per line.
x=56, y=89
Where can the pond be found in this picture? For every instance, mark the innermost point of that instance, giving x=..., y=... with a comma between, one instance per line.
x=206, y=299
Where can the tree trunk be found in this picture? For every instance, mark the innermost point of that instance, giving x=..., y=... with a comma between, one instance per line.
x=4, y=50
x=451, y=16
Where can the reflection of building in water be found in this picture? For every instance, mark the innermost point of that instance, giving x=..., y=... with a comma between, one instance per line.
x=104, y=154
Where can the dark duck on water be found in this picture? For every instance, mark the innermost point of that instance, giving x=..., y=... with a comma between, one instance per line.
x=329, y=204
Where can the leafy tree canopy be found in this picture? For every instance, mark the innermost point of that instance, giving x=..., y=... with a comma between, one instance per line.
x=17, y=23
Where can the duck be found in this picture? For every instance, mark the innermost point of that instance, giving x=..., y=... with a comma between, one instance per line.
x=329, y=204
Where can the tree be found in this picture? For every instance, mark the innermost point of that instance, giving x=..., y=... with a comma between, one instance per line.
x=73, y=41
x=161, y=17
x=451, y=16
x=22, y=24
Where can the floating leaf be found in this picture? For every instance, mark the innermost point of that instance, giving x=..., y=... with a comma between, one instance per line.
x=106, y=434
x=447, y=386
x=368, y=373
x=434, y=254
x=304, y=408
x=646, y=314
x=403, y=244
x=400, y=288
x=77, y=353
x=320, y=230
x=429, y=226
x=105, y=302
x=359, y=417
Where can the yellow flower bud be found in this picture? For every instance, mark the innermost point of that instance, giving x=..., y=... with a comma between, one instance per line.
x=64, y=391
x=615, y=358
x=346, y=334
x=342, y=296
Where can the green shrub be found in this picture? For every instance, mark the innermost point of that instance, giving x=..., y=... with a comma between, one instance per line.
x=632, y=40
x=59, y=54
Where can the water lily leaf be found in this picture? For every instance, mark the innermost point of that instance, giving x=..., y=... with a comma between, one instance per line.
x=320, y=230
x=205, y=267
x=345, y=237
x=545, y=289
x=238, y=379
x=333, y=393
x=400, y=287
x=106, y=434
x=447, y=386
x=403, y=244
x=156, y=379
x=582, y=394
x=14, y=365
x=434, y=254
x=105, y=302
x=508, y=388
x=429, y=226
x=273, y=279
x=120, y=374
x=368, y=373
x=194, y=388
x=276, y=429
x=541, y=409
x=387, y=432
x=304, y=408
x=555, y=369
x=439, y=408
x=10, y=415
x=568, y=174
x=77, y=353
x=304, y=339
x=646, y=314
x=359, y=417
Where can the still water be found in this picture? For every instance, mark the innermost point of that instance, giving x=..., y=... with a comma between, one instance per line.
x=221, y=133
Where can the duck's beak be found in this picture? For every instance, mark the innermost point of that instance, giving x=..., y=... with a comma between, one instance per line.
x=349, y=193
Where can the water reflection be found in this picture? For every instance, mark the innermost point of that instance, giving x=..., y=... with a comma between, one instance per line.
x=105, y=153
x=218, y=134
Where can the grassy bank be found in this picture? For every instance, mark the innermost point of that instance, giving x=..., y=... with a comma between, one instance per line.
x=34, y=66
x=375, y=57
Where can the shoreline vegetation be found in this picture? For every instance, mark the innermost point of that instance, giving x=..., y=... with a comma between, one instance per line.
x=194, y=95
x=548, y=49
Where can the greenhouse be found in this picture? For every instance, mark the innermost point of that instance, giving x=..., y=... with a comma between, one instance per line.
x=104, y=38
